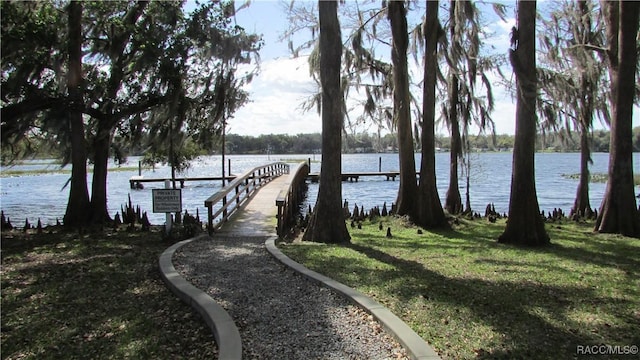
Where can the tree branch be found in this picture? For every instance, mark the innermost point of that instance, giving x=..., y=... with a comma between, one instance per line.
x=595, y=48
x=12, y=112
x=139, y=107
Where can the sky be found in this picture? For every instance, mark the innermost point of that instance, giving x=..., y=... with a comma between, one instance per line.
x=284, y=82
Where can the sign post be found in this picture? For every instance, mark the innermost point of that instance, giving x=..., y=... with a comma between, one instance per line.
x=167, y=201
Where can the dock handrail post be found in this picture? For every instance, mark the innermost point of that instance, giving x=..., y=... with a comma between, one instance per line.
x=279, y=217
x=169, y=220
x=380, y=164
x=139, y=168
x=209, y=217
x=224, y=206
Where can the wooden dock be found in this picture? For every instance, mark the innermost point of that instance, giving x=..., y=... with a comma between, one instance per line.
x=135, y=182
x=354, y=176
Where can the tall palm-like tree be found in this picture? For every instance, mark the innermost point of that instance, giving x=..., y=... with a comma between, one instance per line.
x=429, y=213
x=618, y=212
x=453, y=201
x=405, y=203
x=327, y=223
x=464, y=106
x=525, y=225
x=571, y=82
x=362, y=69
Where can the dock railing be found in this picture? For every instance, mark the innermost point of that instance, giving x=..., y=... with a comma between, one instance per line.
x=229, y=198
x=290, y=198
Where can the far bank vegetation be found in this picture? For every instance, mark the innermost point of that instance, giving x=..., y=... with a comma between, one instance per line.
x=371, y=143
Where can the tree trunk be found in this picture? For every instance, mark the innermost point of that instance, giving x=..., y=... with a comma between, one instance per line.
x=618, y=212
x=408, y=187
x=101, y=144
x=327, y=223
x=453, y=201
x=582, y=206
x=429, y=213
x=77, y=213
x=525, y=225
x=467, y=202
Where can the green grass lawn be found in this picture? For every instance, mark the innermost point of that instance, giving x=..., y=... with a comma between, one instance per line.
x=99, y=297
x=470, y=297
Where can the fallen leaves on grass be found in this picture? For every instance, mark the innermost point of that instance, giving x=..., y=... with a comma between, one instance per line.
x=94, y=296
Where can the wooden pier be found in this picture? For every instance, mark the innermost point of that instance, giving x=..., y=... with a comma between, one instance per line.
x=135, y=182
x=354, y=176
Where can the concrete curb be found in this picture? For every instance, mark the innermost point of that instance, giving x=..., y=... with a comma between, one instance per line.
x=416, y=347
x=222, y=325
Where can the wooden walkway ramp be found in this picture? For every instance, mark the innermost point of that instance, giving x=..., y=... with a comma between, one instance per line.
x=257, y=217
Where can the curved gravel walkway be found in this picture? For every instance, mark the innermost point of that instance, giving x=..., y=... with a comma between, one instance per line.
x=279, y=313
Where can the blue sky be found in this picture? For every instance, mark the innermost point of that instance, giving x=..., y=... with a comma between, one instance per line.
x=284, y=82
x=266, y=17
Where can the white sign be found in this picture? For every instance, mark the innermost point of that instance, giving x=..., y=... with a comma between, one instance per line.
x=167, y=200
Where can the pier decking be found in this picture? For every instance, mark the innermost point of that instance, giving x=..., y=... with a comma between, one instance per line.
x=354, y=176
x=136, y=181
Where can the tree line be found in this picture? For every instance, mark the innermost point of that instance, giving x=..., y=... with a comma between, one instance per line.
x=371, y=143
x=352, y=143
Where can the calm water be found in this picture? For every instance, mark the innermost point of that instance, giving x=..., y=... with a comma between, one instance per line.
x=43, y=196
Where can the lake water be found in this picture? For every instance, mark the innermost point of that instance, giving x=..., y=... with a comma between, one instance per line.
x=43, y=196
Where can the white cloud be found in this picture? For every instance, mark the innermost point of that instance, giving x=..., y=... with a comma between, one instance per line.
x=504, y=117
x=276, y=95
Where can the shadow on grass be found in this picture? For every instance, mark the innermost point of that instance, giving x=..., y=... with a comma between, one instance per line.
x=94, y=298
x=15, y=242
x=570, y=241
x=527, y=313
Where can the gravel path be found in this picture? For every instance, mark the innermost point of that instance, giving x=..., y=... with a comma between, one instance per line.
x=280, y=314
